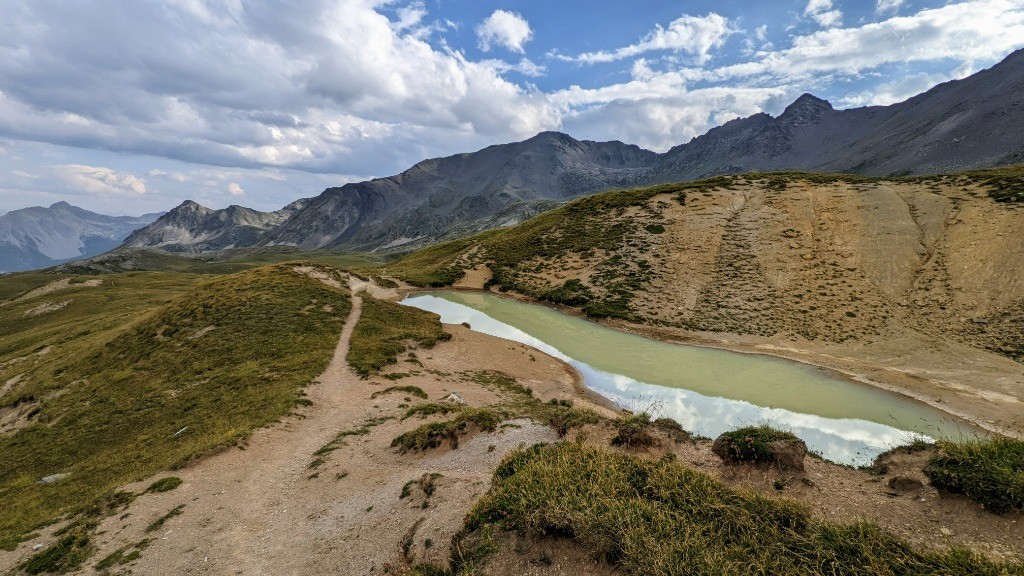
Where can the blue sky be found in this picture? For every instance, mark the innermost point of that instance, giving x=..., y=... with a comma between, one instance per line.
x=131, y=107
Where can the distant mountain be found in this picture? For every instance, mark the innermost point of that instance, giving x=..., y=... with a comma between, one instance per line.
x=194, y=228
x=975, y=122
x=40, y=237
x=498, y=186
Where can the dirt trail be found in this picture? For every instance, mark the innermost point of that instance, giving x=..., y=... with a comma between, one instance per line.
x=263, y=509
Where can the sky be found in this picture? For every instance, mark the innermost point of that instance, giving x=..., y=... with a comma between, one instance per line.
x=133, y=107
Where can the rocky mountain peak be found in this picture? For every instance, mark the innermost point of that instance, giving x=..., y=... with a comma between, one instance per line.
x=807, y=109
x=190, y=206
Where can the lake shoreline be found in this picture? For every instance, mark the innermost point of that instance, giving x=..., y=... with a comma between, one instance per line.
x=858, y=375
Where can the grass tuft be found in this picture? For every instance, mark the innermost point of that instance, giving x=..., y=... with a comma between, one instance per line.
x=159, y=522
x=989, y=471
x=164, y=484
x=434, y=434
x=433, y=409
x=410, y=390
x=751, y=444
x=73, y=547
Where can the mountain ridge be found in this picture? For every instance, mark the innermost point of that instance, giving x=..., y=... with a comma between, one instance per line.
x=43, y=236
x=970, y=123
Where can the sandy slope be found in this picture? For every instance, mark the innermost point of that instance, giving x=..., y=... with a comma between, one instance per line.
x=915, y=287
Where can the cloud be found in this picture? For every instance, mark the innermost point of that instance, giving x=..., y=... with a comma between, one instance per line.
x=973, y=30
x=694, y=35
x=505, y=29
x=895, y=91
x=284, y=100
x=235, y=190
x=525, y=66
x=888, y=5
x=100, y=180
x=822, y=12
x=331, y=87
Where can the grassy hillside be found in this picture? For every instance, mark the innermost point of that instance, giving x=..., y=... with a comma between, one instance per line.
x=816, y=256
x=145, y=371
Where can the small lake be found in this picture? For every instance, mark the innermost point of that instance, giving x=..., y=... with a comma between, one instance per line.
x=708, y=391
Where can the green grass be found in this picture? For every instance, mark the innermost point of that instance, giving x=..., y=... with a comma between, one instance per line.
x=410, y=390
x=516, y=401
x=73, y=546
x=750, y=444
x=125, y=555
x=339, y=440
x=433, y=409
x=989, y=471
x=434, y=434
x=659, y=517
x=385, y=330
x=159, y=522
x=638, y=431
x=634, y=430
x=113, y=396
x=1004, y=185
x=164, y=484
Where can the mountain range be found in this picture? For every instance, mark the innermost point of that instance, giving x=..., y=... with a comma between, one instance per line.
x=974, y=122
x=39, y=237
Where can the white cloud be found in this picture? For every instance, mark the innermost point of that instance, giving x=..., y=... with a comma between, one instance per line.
x=972, y=30
x=286, y=102
x=888, y=5
x=525, y=66
x=319, y=88
x=822, y=12
x=694, y=35
x=506, y=29
x=100, y=180
x=895, y=91
x=235, y=190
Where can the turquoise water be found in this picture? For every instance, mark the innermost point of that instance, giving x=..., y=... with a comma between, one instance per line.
x=708, y=391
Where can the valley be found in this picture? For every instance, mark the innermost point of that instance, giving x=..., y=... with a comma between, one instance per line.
x=379, y=454
x=409, y=288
